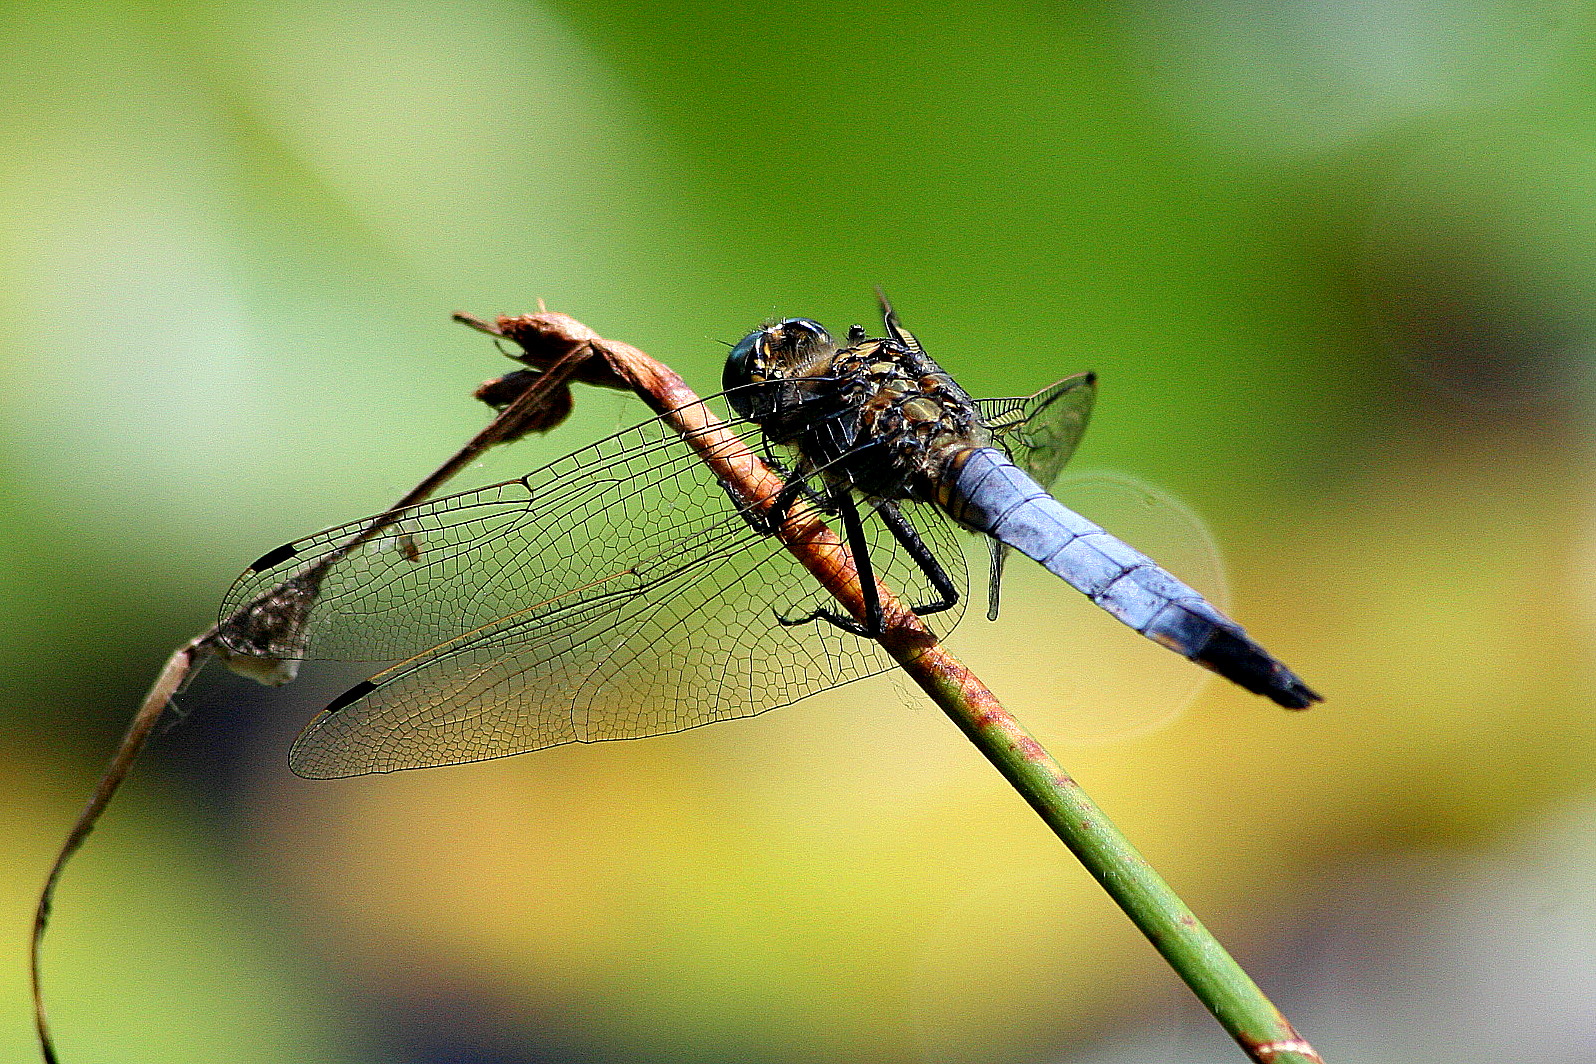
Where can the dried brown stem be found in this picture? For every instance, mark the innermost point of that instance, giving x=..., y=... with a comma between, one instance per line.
x=539, y=402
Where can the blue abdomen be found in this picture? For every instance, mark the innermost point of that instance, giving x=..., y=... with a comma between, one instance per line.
x=990, y=494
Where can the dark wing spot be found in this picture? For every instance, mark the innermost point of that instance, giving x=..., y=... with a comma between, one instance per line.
x=273, y=557
x=354, y=694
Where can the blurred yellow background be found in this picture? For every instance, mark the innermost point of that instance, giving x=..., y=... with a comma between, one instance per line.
x=1336, y=266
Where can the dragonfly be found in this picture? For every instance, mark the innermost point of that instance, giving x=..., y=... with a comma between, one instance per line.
x=624, y=591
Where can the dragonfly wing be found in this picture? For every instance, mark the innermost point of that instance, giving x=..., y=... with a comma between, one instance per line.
x=1039, y=433
x=458, y=563
x=615, y=593
x=689, y=638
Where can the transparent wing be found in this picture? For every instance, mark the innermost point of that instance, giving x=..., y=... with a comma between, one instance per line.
x=1039, y=433
x=615, y=593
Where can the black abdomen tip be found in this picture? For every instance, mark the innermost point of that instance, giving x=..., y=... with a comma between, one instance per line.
x=1245, y=663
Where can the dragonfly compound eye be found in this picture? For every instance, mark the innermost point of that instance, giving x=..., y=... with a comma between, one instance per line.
x=744, y=365
x=795, y=347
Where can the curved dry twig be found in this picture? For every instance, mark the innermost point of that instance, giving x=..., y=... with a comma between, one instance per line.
x=532, y=400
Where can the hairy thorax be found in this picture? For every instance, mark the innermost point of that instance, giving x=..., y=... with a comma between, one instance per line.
x=899, y=420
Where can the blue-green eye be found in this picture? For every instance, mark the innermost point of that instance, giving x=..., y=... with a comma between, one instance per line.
x=741, y=362
x=772, y=352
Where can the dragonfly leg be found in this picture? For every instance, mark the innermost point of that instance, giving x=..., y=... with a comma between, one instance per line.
x=874, y=622
x=766, y=522
x=909, y=538
x=796, y=484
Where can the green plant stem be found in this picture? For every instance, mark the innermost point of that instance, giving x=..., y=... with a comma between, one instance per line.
x=1197, y=957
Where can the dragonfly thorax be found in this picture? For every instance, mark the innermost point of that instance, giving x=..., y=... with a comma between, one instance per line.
x=909, y=420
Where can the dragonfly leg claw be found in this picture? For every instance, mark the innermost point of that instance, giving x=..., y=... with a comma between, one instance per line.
x=847, y=624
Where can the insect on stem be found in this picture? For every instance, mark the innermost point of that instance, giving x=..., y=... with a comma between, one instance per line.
x=1214, y=976
x=264, y=635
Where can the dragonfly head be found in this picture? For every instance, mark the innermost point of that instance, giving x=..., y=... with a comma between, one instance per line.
x=795, y=347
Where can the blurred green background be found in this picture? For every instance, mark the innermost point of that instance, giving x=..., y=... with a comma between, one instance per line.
x=1336, y=264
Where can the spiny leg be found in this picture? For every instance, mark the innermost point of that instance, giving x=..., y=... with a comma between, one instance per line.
x=874, y=622
x=930, y=567
x=795, y=484
x=768, y=520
